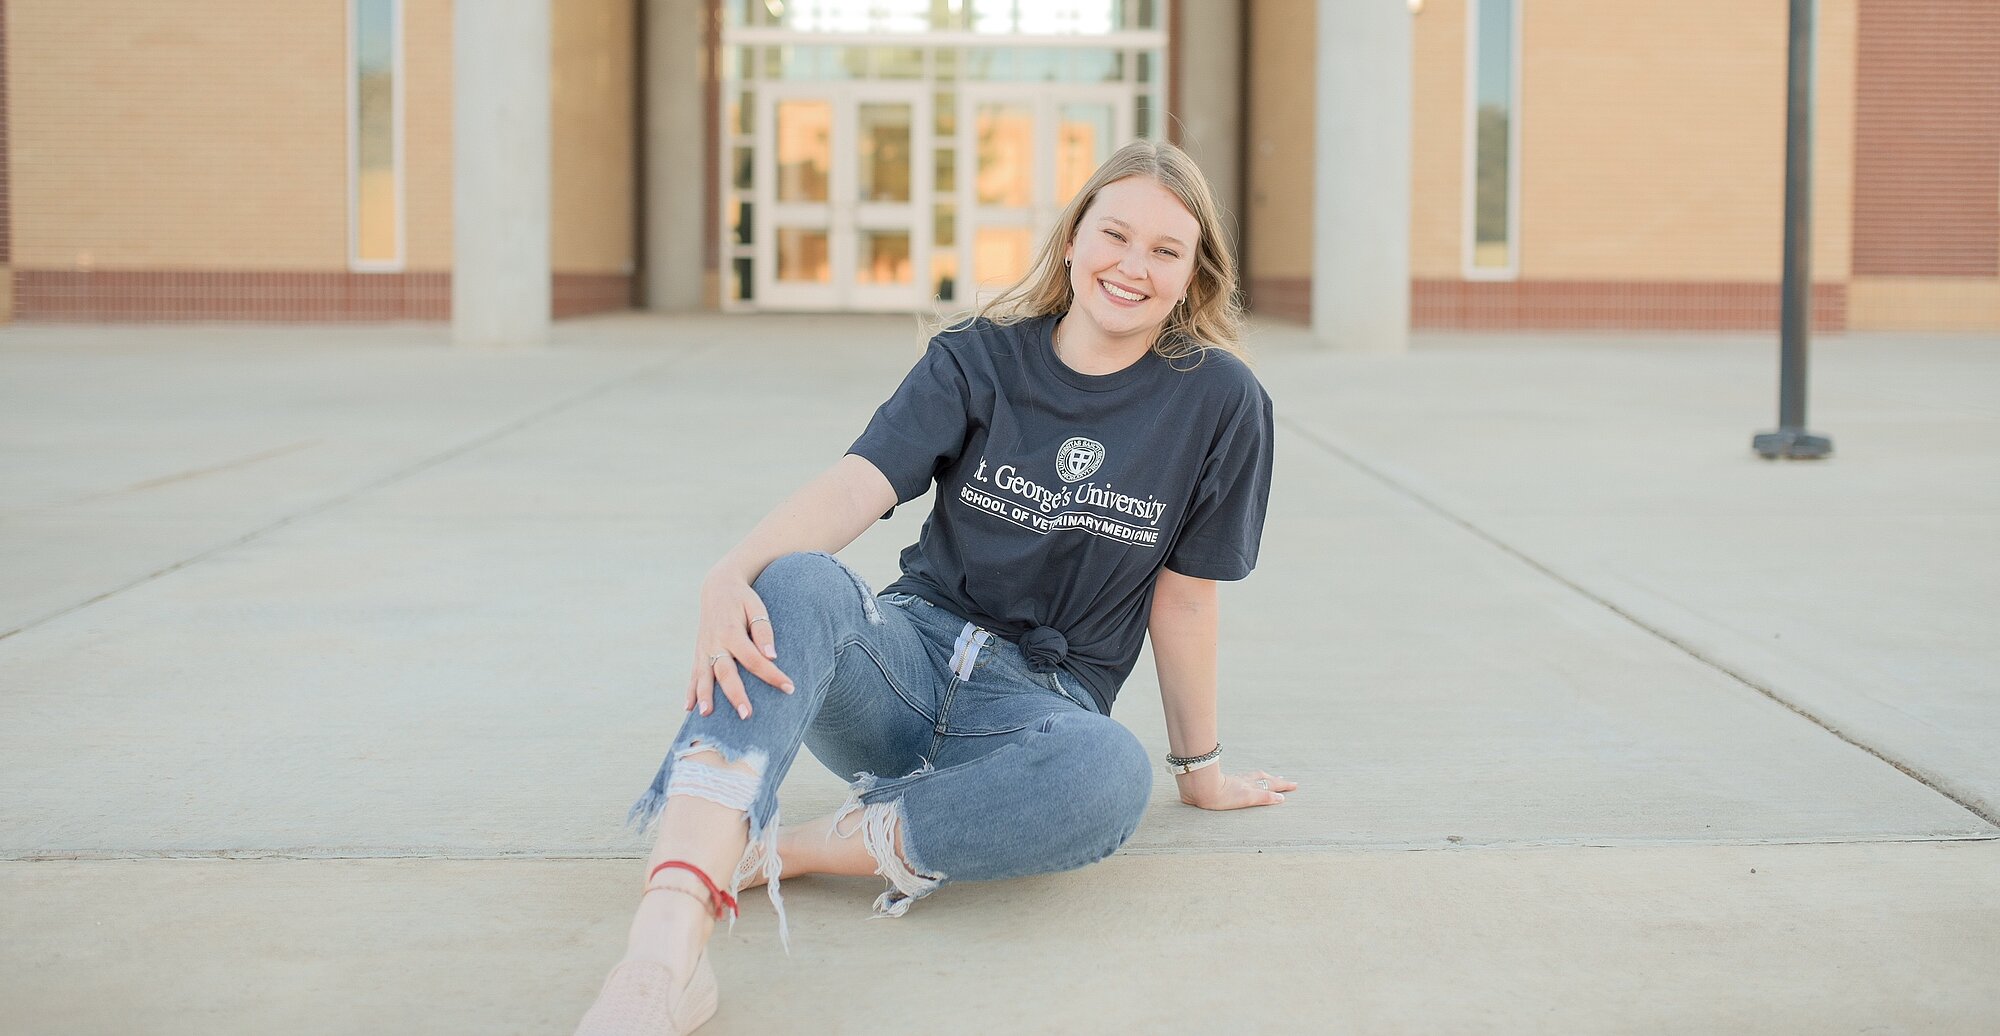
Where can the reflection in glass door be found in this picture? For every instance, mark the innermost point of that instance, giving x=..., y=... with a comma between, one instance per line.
x=1031, y=153
x=799, y=215
x=839, y=195
x=885, y=213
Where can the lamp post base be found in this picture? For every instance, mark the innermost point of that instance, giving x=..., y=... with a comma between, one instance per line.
x=1792, y=444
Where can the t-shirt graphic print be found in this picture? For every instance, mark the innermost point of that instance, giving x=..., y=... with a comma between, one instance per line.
x=1061, y=495
x=1043, y=509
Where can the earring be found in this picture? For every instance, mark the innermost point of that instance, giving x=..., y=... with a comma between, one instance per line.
x=1065, y=264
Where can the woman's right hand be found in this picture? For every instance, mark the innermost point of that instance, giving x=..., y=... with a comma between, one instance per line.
x=735, y=631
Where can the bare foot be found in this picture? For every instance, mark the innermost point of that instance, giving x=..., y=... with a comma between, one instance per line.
x=814, y=848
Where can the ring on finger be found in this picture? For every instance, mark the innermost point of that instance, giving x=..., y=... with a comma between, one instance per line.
x=1263, y=782
x=714, y=658
x=760, y=618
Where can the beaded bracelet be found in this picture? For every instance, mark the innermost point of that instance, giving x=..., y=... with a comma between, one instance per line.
x=1188, y=764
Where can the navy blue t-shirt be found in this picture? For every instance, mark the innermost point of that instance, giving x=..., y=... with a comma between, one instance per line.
x=1061, y=495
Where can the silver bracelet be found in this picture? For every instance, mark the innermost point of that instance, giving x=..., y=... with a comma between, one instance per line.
x=1188, y=764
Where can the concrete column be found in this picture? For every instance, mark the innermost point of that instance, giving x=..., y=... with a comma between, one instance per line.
x=500, y=173
x=1361, y=177
x=1210, y=51
x=676, y=179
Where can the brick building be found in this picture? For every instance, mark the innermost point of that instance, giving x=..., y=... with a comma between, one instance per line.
x=1571, y=164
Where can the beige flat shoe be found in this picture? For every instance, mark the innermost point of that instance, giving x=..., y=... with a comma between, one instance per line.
x=640, y=999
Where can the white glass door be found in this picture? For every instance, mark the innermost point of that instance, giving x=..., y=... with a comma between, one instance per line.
x=1027, y=152
x=840, y=195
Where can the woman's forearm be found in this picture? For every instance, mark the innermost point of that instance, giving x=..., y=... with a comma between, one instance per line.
x=825, y=514
x=1183, y=627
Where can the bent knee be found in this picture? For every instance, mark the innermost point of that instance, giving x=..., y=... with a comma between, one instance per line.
x=1113, y=766
x=1133, y=772
x=816, y=582
x=790, y=571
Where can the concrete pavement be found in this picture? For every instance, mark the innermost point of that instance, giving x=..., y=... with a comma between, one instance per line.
x=330, y=658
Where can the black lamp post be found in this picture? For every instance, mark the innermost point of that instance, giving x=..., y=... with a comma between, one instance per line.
x=1792, y=441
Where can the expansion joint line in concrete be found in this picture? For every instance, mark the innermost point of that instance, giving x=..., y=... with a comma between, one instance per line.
x=398, y=475
x=183, y=476
x=446, y=855
x=1348, y=457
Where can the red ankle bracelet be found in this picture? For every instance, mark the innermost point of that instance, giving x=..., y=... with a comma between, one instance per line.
x=723, y=903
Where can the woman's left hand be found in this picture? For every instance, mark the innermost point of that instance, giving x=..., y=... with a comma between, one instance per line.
x=1211, y=789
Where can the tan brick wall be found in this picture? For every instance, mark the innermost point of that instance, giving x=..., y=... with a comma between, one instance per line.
x=1927, y=166
x=214, y=135
x=592, y=209
x=1924, y=303
x=1833, y=144
x=1279, y=167
x=427, y=134
x=1437, y=140
x=1653, y=140
x=205, y=134
x=1928, y=125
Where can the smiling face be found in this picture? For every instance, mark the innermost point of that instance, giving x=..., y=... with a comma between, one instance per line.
x=1132, y=258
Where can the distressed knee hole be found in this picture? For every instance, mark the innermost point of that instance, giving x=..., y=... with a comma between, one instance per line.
x=708, y=773
x=698, y=752
x=706, y=770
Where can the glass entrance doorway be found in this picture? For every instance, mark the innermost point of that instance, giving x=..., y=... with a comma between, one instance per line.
x=840, y=196
x=906, y=155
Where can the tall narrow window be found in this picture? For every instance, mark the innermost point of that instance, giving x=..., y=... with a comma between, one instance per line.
x=1493, y=169
x=375, y=173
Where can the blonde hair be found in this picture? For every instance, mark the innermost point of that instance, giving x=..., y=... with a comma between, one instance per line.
x=1212, y=316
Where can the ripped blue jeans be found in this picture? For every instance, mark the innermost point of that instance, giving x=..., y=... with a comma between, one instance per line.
x=1004, y=772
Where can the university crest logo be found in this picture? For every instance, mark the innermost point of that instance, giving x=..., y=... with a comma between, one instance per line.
x=1079, y=458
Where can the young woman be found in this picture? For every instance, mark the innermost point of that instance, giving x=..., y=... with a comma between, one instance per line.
x=1102, y=456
